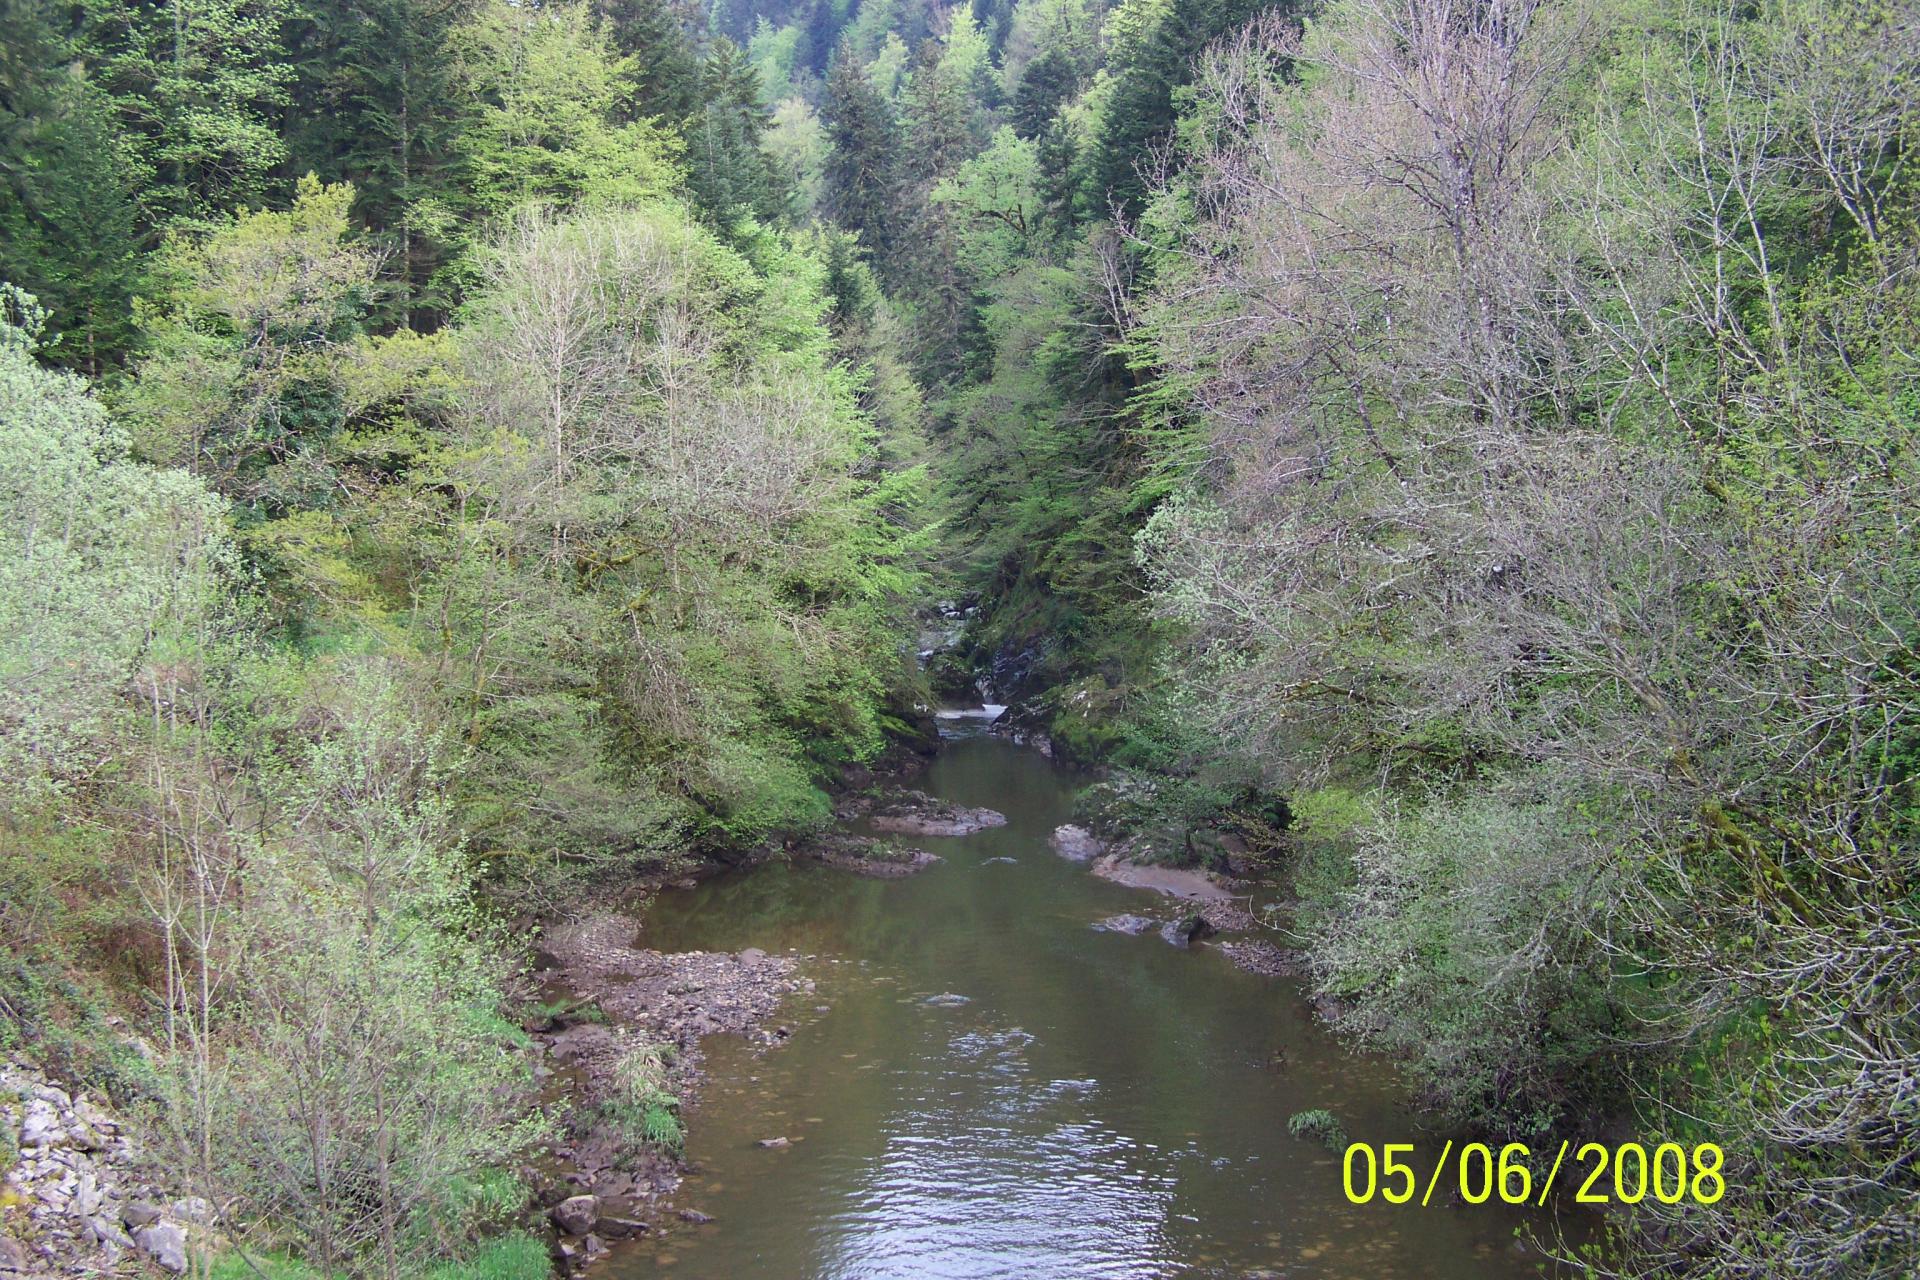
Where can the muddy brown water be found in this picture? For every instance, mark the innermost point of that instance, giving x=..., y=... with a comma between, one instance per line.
x=1098, y=1105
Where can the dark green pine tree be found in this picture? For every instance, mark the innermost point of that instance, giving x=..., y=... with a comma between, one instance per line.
x=1048, y=81
x=1055, y=152
x=70, y=229
x=996, y=19
x=668, y=74
x=1140, y=115
x=372, y=104
x=938, y=109
x=727, y=171
x=862, y=178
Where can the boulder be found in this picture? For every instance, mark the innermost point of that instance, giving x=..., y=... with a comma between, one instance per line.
x=87, y=1196
x=1130, y=925
x=139, y=1213
x=41, y=1127
x=576, y=1215
x=773, y=1142
x=107, y=1231
x=194, y=1209
x=165, y=1243
x=1187, y=930
x=614, y=1228
x=1075, y=843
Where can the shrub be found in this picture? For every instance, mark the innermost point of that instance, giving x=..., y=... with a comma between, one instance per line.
x=1320, y=1126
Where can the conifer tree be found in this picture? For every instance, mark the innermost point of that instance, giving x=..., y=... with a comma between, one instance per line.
x=374, y=105
x=863, y=170
x=68, y=213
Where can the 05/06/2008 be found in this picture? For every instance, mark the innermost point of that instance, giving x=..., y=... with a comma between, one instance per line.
x=1669, y=1173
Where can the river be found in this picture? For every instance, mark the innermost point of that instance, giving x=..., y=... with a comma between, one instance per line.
x=1099, y=1106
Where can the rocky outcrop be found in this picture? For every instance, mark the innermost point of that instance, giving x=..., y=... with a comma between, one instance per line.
x=916, y=813
x=866, y=856
x=87, y=1210
x=1076, y=844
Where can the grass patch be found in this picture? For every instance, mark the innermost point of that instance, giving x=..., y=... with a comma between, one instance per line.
x=643, y=1108
x=512, y=1257
x=517, y=1256
x=259, y=1266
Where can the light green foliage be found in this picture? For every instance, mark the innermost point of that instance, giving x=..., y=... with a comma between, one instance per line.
x=1071, y=28
x=771, y=51
x=873, y=27
x=887, y=70
x=997, y=196
x=516, y=1256
x=361, y=1072
x=1463, y=947
x=548, y=123
x=796, y=141
x=196, y=84
x=1032, y=464
x=103, y=565
x=669, y=486
x=342, y=621
x=966, y=63
x=1553, y=480
x=245, y=343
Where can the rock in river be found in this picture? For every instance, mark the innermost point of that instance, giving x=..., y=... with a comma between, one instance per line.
x=1075, y=843
x=1124, y=924
x=1187, y=930
x=916, y=813
x=577, y=1215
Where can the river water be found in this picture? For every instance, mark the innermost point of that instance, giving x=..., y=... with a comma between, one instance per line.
x=1099, y=1106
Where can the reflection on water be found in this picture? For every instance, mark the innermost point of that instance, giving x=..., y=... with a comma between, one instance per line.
x=1097, y=1106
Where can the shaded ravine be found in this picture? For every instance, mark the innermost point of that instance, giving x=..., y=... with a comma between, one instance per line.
x=1098, y=1106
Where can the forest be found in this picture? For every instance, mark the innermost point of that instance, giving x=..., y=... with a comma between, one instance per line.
x=1462, y=456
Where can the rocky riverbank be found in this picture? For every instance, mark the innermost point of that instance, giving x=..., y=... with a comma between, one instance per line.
x=629, y=1013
